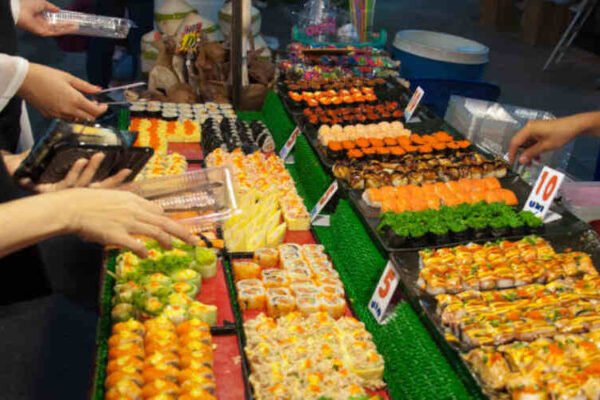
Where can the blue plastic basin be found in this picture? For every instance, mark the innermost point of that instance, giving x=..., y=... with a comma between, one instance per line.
x=436, y=55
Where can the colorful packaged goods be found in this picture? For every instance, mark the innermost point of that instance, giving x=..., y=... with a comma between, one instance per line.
x=157, y=133
x=267, y=199
x=160, y=359
x=499, y=265
x=418, y=169
x=311, y=357
x=434, y=195
x=163, y=165
x=290, y=278
x=165, y=283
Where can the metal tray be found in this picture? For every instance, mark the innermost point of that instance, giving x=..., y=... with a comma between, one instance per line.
x=407, y=266
x=569, y=224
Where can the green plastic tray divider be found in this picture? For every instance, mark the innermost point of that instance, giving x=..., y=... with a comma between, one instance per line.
x=103, y=330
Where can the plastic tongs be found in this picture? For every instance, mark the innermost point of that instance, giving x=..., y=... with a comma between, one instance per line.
x=103, y=98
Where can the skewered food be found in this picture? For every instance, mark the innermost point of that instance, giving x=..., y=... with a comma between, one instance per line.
x=418, y=169
x=322, y=358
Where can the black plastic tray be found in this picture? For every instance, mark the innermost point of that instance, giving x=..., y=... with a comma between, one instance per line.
x=407, y=264
x=569, y=224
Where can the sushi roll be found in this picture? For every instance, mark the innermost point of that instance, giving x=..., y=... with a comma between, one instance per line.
x=296, y=275
x=128, y=349
x=186, y=288
x=126, y=292
x=252, y=298
x=308, y=304
x=205, y=262
x=162, y=371
x=160, y=387
x=278, y=306
x=192, y=325
x=152, y=306
x=123, y=312
x=125, y=362
x=313, y=249
x=197, y=394
x=168, y=115
x=203, y=336
x=179, y=299
x=129, y=326
x=278, y=291
x=274, y=278
x=332, y=290
x=187, y=275
x=249, y=283
x=245, y=270
x=159, y=323
x=137, y=110
x=203, y=312
x=294, y=263
x=266, y=258
x=124, y=390
x=304, y=289
x=333, y=305
x=125, y=337
x=176, y=313
x=153, y=111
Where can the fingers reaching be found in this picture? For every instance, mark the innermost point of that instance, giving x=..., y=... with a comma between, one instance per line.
x=83, y=86
x=87, y=175
x=519, y=140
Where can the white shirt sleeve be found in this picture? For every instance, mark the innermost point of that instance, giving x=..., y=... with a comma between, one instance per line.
x=15, y=7
x=12, y=74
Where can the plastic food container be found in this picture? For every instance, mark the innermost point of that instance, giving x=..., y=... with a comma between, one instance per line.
x=582, y=199
x=195, y=198
x=92, y=25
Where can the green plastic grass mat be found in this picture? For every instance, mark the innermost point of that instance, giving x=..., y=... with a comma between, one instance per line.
x=103, y=330
x=415, y=366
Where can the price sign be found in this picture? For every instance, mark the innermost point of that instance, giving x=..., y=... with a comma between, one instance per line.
x=384, y=291
x=413, y=103
x=323, y=200
x=544, y=191
x=289, y=145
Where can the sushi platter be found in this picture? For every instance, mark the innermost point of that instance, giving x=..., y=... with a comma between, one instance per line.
x=544, y=296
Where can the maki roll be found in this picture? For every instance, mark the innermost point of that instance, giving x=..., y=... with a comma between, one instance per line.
x=129, y=326
x=333, y=305
x=126, y=292
x=205, y=262
x=192, y=325
x=124, y=338
x=158, y=289
x=203, y=312
x=274, y=278
x=253, y=298
x=186, y=288
x=245, y=270
x=189, y=276
x=304, y=289
x=123, y=312
x=266, y=258
x=137, y=111
x=124, y=350
x=179, y=299
x=249, y=283
x=125, y=375
x=160, y=387
x=307, y=304
x=125, y=362
x=175, y=313
x=278, y=306
x=164, y=372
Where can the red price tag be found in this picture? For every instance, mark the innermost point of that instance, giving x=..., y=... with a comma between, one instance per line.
x=544, y=191
x=384, y=291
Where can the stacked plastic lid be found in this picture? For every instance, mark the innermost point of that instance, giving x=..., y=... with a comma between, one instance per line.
x=195, y=198
x=91, y=25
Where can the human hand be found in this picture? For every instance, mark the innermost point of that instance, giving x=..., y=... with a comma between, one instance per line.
x=113, y=217
x=540, y=136
x=58, y=94
x=81, y=175
x=31, y=19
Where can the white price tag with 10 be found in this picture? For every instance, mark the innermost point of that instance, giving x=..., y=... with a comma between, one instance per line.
x=384, y=291
x=543, y=193
x=413, y=103
x=289, y=145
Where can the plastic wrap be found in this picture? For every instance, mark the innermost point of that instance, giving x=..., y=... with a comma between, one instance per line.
x=91, y=25
x=200, y=197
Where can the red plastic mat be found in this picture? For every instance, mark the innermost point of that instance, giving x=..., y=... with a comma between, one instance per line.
x=191, y=151
x=228, y=368
x=214, y=291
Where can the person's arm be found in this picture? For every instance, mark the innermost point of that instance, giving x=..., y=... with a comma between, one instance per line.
x=102, y=216
x=540, y=136
x=29, y=15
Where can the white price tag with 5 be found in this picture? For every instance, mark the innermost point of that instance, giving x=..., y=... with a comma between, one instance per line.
x=289, y=145
x=413, y=103
x=543, y=193
x=384, y=291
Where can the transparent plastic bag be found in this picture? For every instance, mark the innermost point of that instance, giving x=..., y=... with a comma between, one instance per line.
x=92, y=25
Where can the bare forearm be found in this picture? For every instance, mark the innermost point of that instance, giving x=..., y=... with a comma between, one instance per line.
x=30, y=220
x=586, y=123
